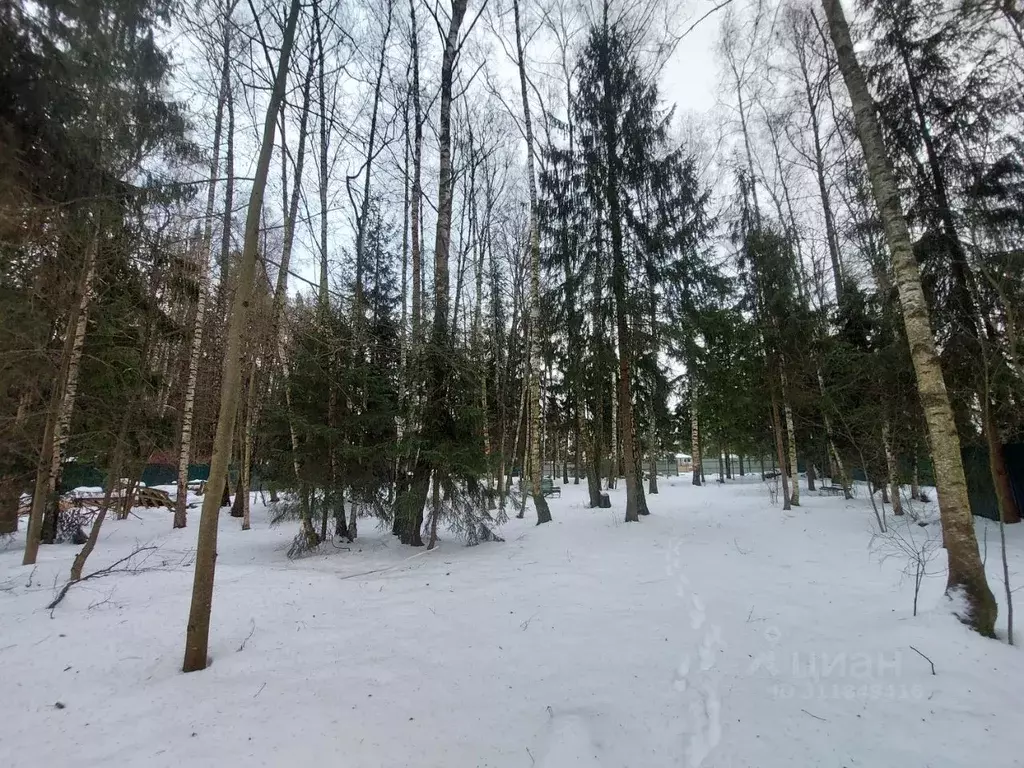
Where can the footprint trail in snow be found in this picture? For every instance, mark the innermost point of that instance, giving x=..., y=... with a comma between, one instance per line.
x=698, y=682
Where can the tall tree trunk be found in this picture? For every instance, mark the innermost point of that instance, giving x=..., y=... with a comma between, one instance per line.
x=325, y=132
x=652, y=480
x=10, y=501
x=915, y=482
x=247, y=444
x=966, y=574
x=831, y=235
x=438, y=373
x=364, y=207
x=198, y=630
x=435, y=513
x=534, y=353
x=695, y=443
x=45, y=505
x=613, y=464
x=835, y=460
x=780, y=450
x=1009, y=512
x=290, y=209
x=794, y=473
x=195, y=351
x=635, y=499
x=577, y=439
x=891, y=470
x=417, y=194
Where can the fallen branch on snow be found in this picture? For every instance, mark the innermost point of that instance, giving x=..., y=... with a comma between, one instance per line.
x=112, y=568
x=924, y=657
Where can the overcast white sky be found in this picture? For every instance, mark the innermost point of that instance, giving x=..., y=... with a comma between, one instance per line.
x=690, y=77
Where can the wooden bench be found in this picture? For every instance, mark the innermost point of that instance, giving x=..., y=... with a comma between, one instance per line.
x=770, y=474
x=548, y=488
x=832, y=490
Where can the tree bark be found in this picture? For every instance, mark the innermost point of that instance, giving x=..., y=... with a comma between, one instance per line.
x=534, y=353
x=417, y=194
x=10, y=501
x=1009, y=511
x=780, y=451
x=892, y=471
x=794, y=474
x=245, y=471
x=195, y=350
x=966, y=574
x=613, y=463
x=915, y=483
x=45, y=507
x=198, y=630
x=652, y=480
x=695, y=443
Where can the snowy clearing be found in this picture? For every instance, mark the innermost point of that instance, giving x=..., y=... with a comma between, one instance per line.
x=719, y=631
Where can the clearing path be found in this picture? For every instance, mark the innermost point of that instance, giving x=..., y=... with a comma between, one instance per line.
x=719, y=631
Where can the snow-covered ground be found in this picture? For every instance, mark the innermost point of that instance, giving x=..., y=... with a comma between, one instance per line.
x=720, y=631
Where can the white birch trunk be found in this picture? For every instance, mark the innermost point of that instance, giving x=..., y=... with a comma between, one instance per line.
x=966, y=573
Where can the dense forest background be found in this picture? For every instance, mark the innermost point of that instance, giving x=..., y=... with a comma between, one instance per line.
x=379, y=258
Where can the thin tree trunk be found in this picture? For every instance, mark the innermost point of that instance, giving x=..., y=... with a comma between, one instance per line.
x=236, y=505
x=695, y=443
x=966, y=573
x=835, y=460
x=364, y=207
x=417, y=195
x=794, y=474
x=10, y=501
x=198, y=629
x=195, y=351
x=534, y=353
x=1009, y=511
x=576, y=448
x=613, y=465
x=325, y=129
x=831, y=236
x=113, y=481
x=45, y=506
x=780, y=451
x=435, y=512
x=915, y=482
x=247, y=445
x=891, y=470
x=438, y=371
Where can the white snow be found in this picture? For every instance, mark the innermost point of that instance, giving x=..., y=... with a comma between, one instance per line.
x=719, y=631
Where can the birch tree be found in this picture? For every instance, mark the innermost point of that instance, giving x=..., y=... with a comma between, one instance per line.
x=966, y=577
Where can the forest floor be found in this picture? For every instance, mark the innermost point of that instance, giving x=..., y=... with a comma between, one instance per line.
x=719, y=631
